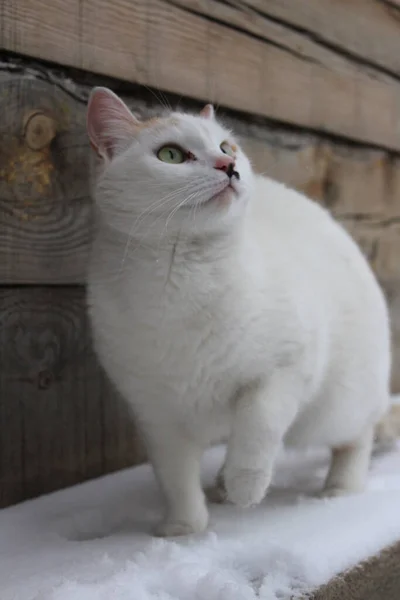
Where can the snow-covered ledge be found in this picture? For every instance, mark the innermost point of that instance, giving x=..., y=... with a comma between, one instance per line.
x=93, y=541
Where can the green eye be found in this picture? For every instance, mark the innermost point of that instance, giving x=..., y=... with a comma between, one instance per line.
x=227, y=149
x=171, y=155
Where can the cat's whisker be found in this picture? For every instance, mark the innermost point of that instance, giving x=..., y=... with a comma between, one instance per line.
x=171, y=214
x=165, y=228
x=193, y=208
x=174, y=210
x=159, y=202
x=148, y=211
x=159, y=96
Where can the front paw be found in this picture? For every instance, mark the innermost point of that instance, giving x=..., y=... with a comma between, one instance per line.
x=246, y=487
x=337, y=492
x=185, y=525
x=175, y=529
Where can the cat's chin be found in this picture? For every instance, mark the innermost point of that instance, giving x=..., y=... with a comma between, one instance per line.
x=227, y=195
x=223, y=198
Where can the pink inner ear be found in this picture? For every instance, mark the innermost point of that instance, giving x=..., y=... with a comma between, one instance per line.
x=207, y=112
x=110, y=124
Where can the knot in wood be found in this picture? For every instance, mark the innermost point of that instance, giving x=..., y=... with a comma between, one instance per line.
x=45, y=379
x=39, y=130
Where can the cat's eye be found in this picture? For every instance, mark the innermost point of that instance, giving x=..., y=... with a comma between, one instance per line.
x=171, y=154
x=227, y=149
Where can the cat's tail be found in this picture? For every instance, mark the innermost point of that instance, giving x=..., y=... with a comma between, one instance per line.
x=387, y=432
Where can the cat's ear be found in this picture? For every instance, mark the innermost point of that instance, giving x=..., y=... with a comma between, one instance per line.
x=110, y=123
x=207, y=112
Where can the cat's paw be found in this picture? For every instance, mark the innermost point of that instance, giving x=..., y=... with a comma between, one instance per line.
x=172, y=527
x=246, y=487
x=337, y=492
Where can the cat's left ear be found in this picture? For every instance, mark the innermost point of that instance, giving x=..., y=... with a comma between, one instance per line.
x=207, y=112
x=110, y=124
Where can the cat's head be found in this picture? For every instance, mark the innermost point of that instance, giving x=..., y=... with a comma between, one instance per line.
x=179, y=172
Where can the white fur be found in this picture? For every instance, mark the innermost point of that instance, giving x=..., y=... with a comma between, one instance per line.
x=252, y=317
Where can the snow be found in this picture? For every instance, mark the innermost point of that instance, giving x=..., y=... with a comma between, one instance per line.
x=93, y=542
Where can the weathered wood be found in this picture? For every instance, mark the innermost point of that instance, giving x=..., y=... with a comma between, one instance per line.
x=61, y=422
x=373, y=579
x=222, y=52
x=45, y=212
x=392, y=290
x=366, y=29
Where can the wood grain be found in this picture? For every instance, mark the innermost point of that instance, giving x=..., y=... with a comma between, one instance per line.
x=45, y=211
x=61, y=422
x=366, y=29
x=372, y=579
x=223, y=52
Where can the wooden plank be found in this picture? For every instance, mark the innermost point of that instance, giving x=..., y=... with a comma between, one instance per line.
x=393, y=295
x=373, y=579
x=352, y=182
x=367, y=29
x=211, y=51
x=61, y=422
x=45, y=212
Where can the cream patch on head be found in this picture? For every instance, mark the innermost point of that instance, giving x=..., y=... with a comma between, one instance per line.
x=158, y=123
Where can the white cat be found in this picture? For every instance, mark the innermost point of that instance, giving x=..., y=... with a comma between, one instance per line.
x=225, y=305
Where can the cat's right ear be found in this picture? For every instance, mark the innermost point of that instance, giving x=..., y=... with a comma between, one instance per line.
x=110, y=124
x=207, y=112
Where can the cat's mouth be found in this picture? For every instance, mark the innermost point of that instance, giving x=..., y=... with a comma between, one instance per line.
x=225, y=195
x=222, y=197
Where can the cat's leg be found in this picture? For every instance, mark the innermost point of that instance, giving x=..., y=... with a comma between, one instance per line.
x=176, y=463
x=349, y=467
x=262, y=415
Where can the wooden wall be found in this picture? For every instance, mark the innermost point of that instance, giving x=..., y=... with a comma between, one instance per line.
x=320, y=64
x=316, y=105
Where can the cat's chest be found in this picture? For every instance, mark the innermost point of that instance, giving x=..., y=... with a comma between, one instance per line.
x=176, y=324
x=192, y=328
x=202, y=341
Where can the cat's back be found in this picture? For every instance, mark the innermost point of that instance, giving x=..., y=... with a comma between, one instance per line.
x=318, y=260
x=322, y=266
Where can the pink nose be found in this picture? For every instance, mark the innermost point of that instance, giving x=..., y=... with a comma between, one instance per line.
x=222, y=163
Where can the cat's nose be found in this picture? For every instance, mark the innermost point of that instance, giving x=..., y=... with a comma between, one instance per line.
x=223, y=163
x=226, y=164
